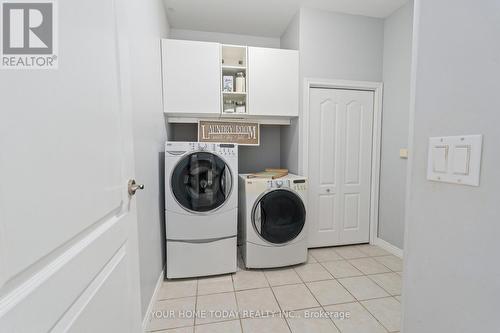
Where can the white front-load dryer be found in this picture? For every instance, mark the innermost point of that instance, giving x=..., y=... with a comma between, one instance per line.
x=272, y=221
x=201, y=203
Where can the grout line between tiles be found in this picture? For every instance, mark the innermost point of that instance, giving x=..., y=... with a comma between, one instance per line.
x=321, y=305
x=363, y=274
x=236, y=300
x=211, y=323
x=374, y=315
x=391, y=255
x=358, y=301
x=368, y=276
x=196, y=303
x=277, y=302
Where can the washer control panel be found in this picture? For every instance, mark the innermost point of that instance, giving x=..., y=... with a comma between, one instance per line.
x=223, y=149
x=226, y=149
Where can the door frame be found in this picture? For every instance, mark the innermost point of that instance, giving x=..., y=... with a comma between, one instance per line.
x=377, y=89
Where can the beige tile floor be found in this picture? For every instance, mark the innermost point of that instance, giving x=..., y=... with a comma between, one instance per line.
x=348, y=289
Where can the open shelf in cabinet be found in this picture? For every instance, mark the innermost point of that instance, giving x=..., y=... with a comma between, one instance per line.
x=229, y=68
x=234, y=61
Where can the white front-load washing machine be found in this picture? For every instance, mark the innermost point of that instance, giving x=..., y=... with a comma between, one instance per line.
x=201, y=203
x=272, y=221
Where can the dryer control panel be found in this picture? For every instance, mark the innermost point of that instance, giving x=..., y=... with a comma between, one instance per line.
x=294, y=184
x=299, y=185
x=278, y=183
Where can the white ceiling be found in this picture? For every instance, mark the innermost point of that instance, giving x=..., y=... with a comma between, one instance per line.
x=262, y=17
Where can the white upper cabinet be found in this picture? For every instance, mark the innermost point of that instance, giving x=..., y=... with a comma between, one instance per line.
x=273, y=78
x=191, y=77
x=258, y=82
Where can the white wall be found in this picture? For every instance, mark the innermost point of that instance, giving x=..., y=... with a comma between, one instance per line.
x=149, y=24
x=290, y=39
x=289, y=135
x=267, y=155
x=395, y=123
x=351, y=47
x=250, y=158
x=452, y=247
x=224, y=38
x=340, y=46
x=334, y=46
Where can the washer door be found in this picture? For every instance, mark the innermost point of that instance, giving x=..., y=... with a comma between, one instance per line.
x=201, y=182
x=279, y=216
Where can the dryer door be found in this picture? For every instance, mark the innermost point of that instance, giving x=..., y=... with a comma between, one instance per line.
x=201, y=182
x=279, y=216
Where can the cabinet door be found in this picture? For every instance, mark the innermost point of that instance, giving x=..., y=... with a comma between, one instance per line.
x=191, y=76
x=273, y=82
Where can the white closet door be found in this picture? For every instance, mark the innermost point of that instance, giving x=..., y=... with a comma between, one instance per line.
x=340, y=154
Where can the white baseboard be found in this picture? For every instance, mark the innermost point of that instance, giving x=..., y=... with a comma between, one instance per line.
x=145, y=320
x=389, y=247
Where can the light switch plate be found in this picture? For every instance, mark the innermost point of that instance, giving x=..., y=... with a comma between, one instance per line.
x=455, y=159
x=403, y=153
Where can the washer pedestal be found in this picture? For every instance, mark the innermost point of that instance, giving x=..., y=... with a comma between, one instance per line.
x=201, y=258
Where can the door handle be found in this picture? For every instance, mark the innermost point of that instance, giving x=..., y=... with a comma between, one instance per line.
x=133, y=187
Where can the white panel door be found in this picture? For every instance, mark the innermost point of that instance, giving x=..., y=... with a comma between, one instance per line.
x=68, y=242
x=339, y=171
x=273, y=82
x=191, y=76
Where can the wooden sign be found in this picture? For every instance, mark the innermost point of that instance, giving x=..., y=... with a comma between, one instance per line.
x=242, y=133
